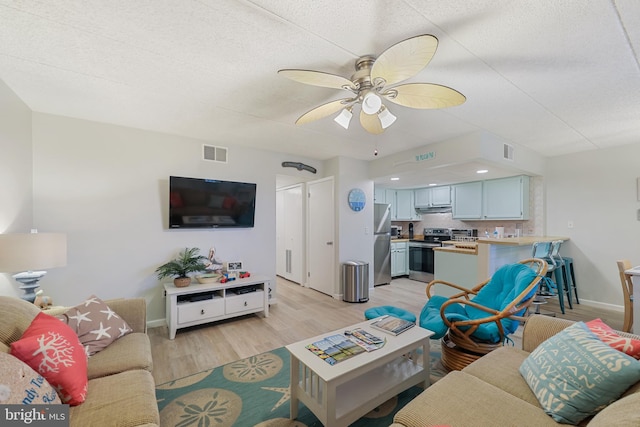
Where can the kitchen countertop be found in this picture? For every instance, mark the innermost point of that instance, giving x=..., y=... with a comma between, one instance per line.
x=520, y=241
x=399, y=240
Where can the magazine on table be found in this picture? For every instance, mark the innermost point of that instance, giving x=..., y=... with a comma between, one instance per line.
x=335, y=348
x=392, y=325
x=365, y=339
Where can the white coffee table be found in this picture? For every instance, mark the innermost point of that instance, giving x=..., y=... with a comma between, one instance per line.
x=342, y=393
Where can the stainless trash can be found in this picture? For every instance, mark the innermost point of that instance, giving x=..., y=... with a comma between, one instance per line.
x=355, y=281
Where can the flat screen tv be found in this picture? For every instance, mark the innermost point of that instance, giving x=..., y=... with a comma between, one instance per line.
x=210, y=203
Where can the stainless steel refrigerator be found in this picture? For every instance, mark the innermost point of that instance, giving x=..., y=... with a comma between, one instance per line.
x=382, y=244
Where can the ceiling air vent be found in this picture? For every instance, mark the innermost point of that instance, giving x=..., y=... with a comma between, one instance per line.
x=215, y=154
x=508, y=152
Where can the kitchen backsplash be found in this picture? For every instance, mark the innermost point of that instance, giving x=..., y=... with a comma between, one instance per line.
x=532, y=227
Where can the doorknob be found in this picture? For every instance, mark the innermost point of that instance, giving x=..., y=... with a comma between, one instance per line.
x=329, y=243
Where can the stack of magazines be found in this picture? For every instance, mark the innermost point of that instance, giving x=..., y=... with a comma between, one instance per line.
x=336, y=348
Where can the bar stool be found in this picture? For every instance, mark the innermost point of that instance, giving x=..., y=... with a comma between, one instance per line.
x=562, y=267
x=549, y=251
x=571, y=276
x=545, y=290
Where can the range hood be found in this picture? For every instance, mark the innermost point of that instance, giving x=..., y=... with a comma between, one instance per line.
x=432, y=209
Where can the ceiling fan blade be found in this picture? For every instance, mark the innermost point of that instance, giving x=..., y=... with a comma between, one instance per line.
x=318, y=78
x=424, y=96
x=404, y=59
x=323, y=111
x=371, y=123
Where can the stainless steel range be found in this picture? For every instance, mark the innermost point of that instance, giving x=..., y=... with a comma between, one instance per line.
x=421, y=264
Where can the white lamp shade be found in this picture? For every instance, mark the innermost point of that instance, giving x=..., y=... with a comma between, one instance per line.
x=32, y=251
x=386, y=118
x=371, y=103
x=344, y=118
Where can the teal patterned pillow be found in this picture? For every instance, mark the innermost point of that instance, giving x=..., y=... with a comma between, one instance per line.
x=574, y=374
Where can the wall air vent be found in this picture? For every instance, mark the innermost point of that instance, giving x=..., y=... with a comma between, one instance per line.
x=214, y=154
x=508, y=152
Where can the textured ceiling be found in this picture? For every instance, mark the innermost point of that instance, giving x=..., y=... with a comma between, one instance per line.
x=555, y=76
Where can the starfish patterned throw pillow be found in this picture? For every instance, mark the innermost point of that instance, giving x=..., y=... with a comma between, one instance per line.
x=96, y=324
x=53, y=350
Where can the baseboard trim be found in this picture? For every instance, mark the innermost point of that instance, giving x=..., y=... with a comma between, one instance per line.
x=603, y=305
x=156, y=323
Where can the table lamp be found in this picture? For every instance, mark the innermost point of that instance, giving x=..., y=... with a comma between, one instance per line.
x=27, y=252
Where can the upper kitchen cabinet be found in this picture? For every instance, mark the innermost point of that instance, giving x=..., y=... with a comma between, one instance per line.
x=432, y=197
x=380, y=195
x=404, y=208
x=506, y=198
x=467, y=200
x=441, y=196
x=401, y=201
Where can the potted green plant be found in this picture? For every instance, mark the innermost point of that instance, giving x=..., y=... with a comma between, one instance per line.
x=188, y=261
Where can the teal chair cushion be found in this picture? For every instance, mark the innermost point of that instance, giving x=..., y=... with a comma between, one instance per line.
x=507, y=283
x=389, y=310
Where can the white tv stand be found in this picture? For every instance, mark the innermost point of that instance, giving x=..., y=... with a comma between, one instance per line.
x=203, y=303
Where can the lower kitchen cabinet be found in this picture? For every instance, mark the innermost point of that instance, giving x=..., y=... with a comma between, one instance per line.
x=399, y=259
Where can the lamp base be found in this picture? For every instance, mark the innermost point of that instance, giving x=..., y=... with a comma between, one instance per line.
x=29, y=280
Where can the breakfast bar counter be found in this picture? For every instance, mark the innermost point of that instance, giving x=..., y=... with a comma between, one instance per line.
x=520, y=241
x=470, y=263
x=494, y=253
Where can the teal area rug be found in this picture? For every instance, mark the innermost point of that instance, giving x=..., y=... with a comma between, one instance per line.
x=255, y=392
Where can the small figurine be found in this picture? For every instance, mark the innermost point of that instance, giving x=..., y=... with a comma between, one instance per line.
x=213, y=264
x=42, y=301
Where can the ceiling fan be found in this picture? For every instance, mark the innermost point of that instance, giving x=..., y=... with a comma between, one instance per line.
x=374, y=82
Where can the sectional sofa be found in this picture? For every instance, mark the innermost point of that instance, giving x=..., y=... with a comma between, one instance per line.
x=121, y=389
x=492, y=392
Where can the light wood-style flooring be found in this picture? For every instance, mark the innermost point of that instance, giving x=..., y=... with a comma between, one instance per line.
x=300, y=313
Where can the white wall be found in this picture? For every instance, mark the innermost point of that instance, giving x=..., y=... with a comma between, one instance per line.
x=16, y=168
x=597, y=191
x=354, y=229
x=106, y=186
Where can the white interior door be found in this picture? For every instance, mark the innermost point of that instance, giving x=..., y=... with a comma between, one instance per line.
x=293, y=232
x=321, y=234
x=280, y=234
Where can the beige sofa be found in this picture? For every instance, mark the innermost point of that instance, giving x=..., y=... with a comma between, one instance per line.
x=491, y=392
x=121, y=390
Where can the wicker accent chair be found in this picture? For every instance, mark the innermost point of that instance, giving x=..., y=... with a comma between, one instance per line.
x=474, y=322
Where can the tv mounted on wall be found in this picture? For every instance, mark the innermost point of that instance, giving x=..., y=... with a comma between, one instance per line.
x=210, y=203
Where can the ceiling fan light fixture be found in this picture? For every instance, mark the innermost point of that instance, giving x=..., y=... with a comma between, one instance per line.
x=344, y=118
x=371, y=103
x=386, y=118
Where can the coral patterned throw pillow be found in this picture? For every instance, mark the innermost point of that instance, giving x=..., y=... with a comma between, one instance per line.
x=52, y=349
x=609, y=336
